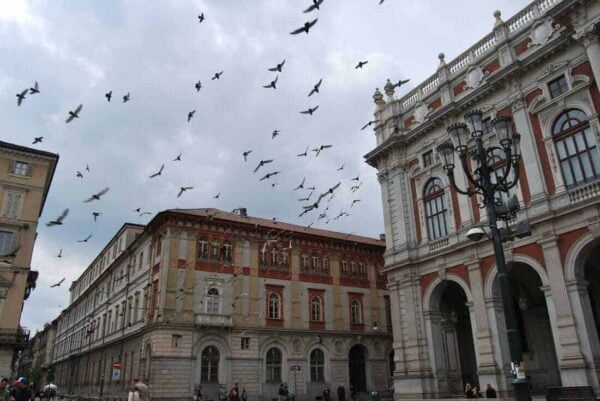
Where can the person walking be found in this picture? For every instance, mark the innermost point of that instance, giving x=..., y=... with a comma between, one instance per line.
x=198, y=394
x=222, y=393
x=142, y=389
x=470, y=391
x=21, y=392
x=490, y=392
x=234, y=393
x=134, y=394
x=341, y=393
x=244, y=395
x=326, y=394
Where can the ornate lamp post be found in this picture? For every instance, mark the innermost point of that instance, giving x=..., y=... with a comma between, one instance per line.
x=487, y=183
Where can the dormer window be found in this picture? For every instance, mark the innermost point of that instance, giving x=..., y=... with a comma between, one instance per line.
x=558, y=86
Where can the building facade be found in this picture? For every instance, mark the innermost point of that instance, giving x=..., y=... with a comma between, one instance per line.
x=25, y=177
x=542, y=68
x=205, y=297
x=36, y=360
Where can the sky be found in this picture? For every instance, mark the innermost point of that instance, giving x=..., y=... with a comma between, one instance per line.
x=156, y=51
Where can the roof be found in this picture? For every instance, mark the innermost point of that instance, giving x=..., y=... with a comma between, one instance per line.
x=275, y=224
x=27, y=150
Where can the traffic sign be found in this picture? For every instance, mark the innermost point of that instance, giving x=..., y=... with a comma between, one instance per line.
x=117, y=365
x=295, y=368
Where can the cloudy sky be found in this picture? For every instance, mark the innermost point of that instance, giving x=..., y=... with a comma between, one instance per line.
x=78, y=50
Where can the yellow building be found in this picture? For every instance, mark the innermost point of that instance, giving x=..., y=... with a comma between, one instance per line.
x=25, y=177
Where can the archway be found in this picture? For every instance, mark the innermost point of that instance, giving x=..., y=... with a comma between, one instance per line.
x=357, y=358
x=535, y=329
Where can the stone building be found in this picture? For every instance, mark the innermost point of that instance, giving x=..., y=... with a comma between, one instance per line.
x=38, y=356
x=542, y=68
x=205, y=297
x=25, y=177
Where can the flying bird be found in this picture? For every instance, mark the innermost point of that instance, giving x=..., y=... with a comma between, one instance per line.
x=310, y=110
x=269, y=175
x=262, y=163
x=97, y=195
x=21, y=96
x=191, y=114
x=183, y=189
x=355, y=178
x=59, y=283
x=96, y=214
x=217, y=76
x=354, y=188
x=321, y=148
x=201, y=18
x=307, y=198
x=143, y=213
x=314, y=6
x=330, y=190
x=126, y=98
x=361, y=64
x=108, y=96
x=401, y=82
x=178, y=158
x=198, y=86
x=315, y=88
x=35, y=89
x=217, y=196
x=368, y=124
x=37, y=139
x=245, y=154
x=137, y=210
x=159, y=172
x=273, y=83
x=79, y=175
x=74, y=114
x=87, y=167
x=303, y=154
x=278, y=67
x=85, y=239
x=301, y=185
x=58, y=221
x=341, y=168
x=381, y=2
x=305, y=28
x=274, y=134
x=354, y=201
x=59, y=254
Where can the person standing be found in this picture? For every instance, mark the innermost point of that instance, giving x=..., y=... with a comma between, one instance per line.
x=4, y=390
x=234, y=393
x=244, y=395
x=341, y=393
x=21, y=392
x=326, y=394
x=198, y=393
x=142, y=390
x=490, y=392
x=222, y=393
x=133, y=395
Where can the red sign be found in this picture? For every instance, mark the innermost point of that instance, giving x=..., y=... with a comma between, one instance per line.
x=117, y=365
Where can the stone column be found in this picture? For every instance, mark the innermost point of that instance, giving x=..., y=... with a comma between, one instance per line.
x=590, y=39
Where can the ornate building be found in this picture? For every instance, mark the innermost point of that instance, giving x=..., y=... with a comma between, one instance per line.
x=542, y=68
x=25, y=177
x=205, y=297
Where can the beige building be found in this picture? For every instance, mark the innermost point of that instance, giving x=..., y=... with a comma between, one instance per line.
x=25, y=177
x=541, y=67
x=205, y=297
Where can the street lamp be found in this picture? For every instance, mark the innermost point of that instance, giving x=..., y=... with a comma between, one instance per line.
x=487, y=183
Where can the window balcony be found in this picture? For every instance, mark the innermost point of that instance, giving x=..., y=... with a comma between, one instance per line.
x=213, y=319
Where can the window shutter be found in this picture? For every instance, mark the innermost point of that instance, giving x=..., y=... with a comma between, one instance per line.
x=11, y=166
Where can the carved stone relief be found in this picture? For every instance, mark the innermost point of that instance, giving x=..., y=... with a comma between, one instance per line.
x=542, y=31
x=422, y=110
x=474, y=77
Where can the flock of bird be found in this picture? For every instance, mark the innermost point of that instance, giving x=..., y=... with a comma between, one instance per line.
x=315, y=200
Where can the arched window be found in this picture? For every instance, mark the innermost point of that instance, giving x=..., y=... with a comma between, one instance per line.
x=316, y=309
x=209, y=365
x=435, y=209
x=576, y=148
x=356, y=312
x=274, y=306
x=317, y=366
x=212, y=301
x=273, y=364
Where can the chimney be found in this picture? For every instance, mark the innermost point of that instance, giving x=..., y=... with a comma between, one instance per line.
x=243, y=212
x=382, y=237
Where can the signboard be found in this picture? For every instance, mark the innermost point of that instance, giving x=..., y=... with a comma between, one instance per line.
x=116, y=374
x=117, y=365
x=295, y=368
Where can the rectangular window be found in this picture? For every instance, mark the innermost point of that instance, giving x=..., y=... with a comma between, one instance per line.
x=245, y=343
x=216, y=251
x=21, y=168
x=314, y=265
x=284, y=259
x=304, y=262
x=344, y=266
x=558, y=86
x=141, y=260
x=428, y=158
x=228, y=254
x=176, y=340
x=202, y=250
x=325, y=264
x=6, y=242
x=12, y=204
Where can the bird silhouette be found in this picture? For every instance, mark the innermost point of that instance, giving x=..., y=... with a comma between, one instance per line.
x=86, y=239
x=310, y=111
x=143, y=213
x=269, y=175
x=245, y=154
x=361, y=64
x=275, y=134
x=301, y=185
x=303, y=154
x=315, y=88
x=306, y=198
x=59, y=220
x=62, y=280
x=262, y=163
x=190, y=115
x=354, y=201
x=217, y=196
x=354, y=188
x=198, y=86
x=217, y=76
x=137, y=210
x=87, y=167
x=183, y=189
x=278, y=67
x=96, y=215
x=368, y=124
x=97, y=195
x=21, y=96
x=108, y=96
x=201, y=18
x=74, y=114
x=178, y=158
x=314, y=6
x=320, y=149
x=273, y=83
x=305, y=28
x=37, y=139
x=35, y=89
x=126, y=98
x=401, y=82
x=341, y=168
x=356, y=178
x=159, y=172
x=59, y=254
x=79, y=175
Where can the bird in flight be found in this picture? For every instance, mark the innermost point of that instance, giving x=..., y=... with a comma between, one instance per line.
x=137, y=210
x=191, y=114
x=354, y=188
x=303, y=154
x=59, y=283
x=315, y=88
x=59, y=254
x=201, y=18
x=35, y=89
x=78, y=174
x=217, y=196
x=74, y=114
x=305, y=28
x=85, y=239
x=97, y=195
x=355, y=178
x=178, y=158
x=96, y=214
x=354, y=201
x=21, y=96
x=330, y=190
x=262, y=163
x=368, y=124
x=108, y=96
x=37, y=139
x=58, y=221
x=275, y=134
x=278, y=67
x=198, y=86
x=307, y=198
x=159, y=172
x=320, y=149
x=301, y=184
x=360, y=64
x=273, y=83
x=245, y=154
x=341, y=168
x=401, y=82
x=126, y=98
x=183, y=189
x=143, y=213
x=310, y=110
x=87, y=167
x=381, y=2
x=314, y=6
x=269, y=175
x=217, y=76
x=341, y=214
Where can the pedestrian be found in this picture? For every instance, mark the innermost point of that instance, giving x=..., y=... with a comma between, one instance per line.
x=244, y=395
x=134, y=394
x=281, y=392
x=341, y=393
x=4, y=390
x=326, y=394
x=222, y=393
x=490, y=392
x=470, y=391
x=142, y=389
x=198, y=393
x=21, y=391
x=234, y=393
